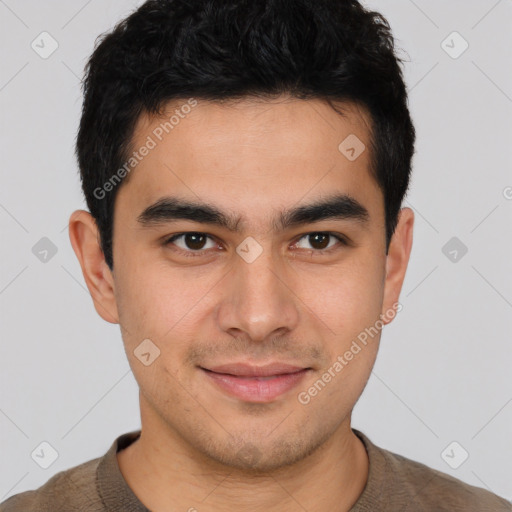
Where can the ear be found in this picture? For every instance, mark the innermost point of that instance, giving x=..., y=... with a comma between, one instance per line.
x=396, y=263
x=85, y=240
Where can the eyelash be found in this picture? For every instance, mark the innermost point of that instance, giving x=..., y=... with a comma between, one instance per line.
x=194, y=254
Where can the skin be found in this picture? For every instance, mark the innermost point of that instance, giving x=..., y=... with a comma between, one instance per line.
x=252, y=159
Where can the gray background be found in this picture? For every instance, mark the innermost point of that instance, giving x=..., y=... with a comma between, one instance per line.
x=443, y=371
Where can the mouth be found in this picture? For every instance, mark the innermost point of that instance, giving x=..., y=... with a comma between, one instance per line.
x=258, y=384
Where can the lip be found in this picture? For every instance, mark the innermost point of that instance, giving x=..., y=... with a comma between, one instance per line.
x=248, y=370
x=256, y=383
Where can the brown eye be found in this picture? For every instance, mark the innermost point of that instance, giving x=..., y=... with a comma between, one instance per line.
x=194, y=241
x=190, y=242
x=320, y=241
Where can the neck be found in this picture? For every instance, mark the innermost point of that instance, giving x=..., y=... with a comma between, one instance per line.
x=164, y=471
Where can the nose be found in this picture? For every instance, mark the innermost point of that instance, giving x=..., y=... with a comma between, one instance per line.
x=258, y=300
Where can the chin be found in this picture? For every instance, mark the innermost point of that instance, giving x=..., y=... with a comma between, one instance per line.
x=249, y=454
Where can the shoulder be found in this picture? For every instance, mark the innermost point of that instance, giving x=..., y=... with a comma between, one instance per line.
x=434, y=490
x=413, y=486
x=70, y=490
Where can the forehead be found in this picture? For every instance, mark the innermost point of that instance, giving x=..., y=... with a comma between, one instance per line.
x=254, y=120
x=251, y=154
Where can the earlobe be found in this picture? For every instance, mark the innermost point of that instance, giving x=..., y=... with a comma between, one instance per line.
x=84, y=237
x=396, y=262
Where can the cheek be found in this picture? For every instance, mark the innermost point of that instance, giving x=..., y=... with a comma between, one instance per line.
x=144, y=300
x=346, y=298
x=153, y=306
x=160, y=303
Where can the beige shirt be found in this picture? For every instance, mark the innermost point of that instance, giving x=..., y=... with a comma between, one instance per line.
x=395, y=484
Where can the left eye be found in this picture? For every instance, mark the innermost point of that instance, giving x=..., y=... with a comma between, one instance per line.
x=320, y=241
x=191, y=241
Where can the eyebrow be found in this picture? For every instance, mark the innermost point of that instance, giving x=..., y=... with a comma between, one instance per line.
x=336, y=207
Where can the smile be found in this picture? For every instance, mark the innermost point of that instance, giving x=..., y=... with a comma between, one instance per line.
x=253, y=384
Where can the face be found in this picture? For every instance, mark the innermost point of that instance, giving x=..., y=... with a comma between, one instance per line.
x=249, y=298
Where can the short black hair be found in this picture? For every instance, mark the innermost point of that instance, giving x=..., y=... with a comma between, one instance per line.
x=335, y=50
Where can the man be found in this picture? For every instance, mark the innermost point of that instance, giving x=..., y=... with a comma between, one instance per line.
x=244, y=164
